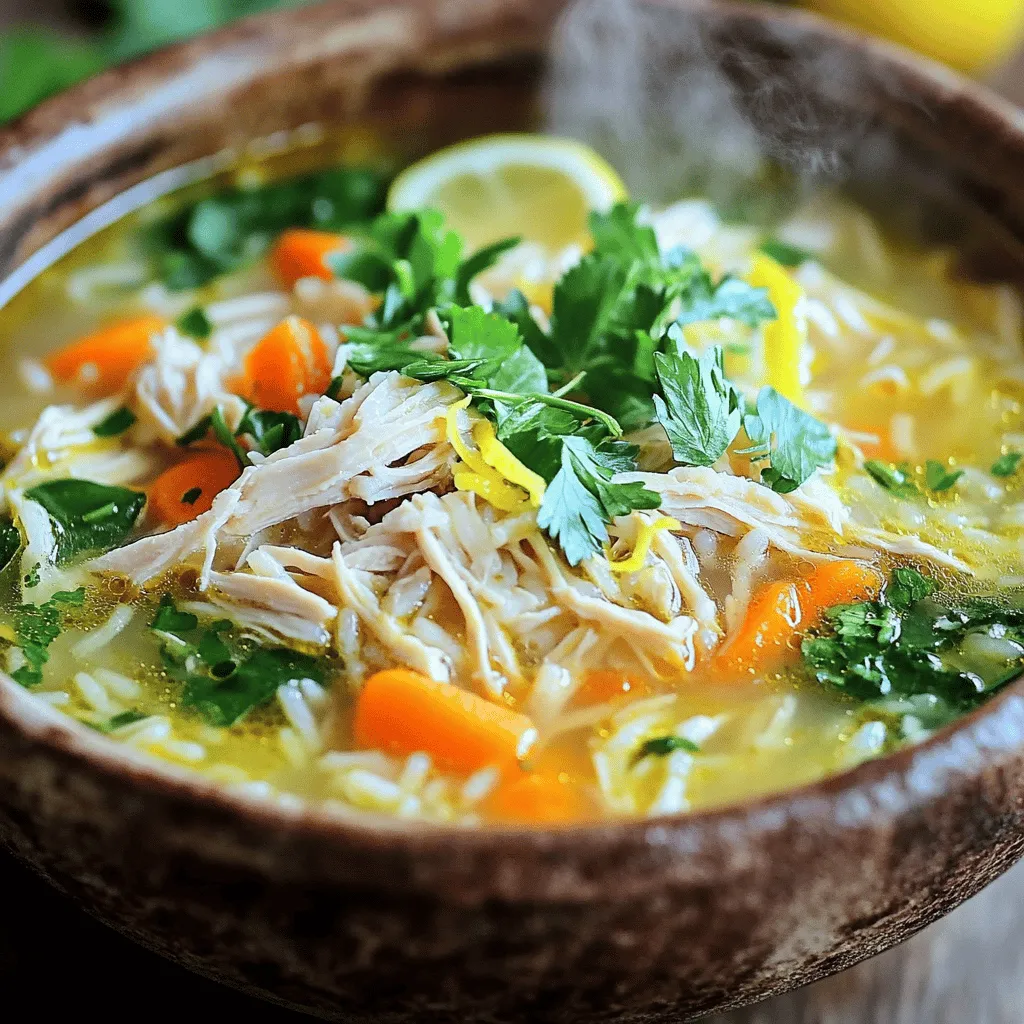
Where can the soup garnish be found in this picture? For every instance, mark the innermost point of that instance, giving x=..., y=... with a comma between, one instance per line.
x=307, y=496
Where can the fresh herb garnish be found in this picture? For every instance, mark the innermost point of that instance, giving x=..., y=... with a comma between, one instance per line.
x=911, y=646
x=120, y=720
x=224, y=677
x=938, y=477
x=898, y=480
x=784, y=253
x=10, y=541
x=232, y=230
x=1006, y=465
x=36, y=626
x=661, y=746
x=116, y=423
x=701, y=409
x=269, y=430
x=87, y=516
x=191, y=496
x=195, y=323
x=793, y=443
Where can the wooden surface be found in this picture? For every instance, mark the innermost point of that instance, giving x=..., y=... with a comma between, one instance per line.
x=967, y=969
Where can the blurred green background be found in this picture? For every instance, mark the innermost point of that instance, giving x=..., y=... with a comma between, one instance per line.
x=47, y=45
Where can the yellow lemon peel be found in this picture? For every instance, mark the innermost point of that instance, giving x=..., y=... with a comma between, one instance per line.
x=644, y=539
x=476, y=473
x=497, y=456
x=785, y=338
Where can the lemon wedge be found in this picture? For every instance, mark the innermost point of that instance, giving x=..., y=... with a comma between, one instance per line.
x=499, y=186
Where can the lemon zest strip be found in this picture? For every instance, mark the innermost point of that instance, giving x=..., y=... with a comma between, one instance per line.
x=644, y=538
x=496, y=455
x=785, y=338
x=476, y=475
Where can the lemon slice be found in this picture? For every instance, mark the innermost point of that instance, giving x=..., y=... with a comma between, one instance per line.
x=499, y=186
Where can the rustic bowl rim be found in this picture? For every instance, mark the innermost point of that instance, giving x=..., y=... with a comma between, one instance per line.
x=42, y=723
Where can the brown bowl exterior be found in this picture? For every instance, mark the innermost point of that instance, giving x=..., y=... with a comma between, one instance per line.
x=654, y=920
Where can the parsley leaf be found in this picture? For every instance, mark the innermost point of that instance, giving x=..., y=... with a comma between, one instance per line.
x=10, y=541
x=269, y=430
x=784, y=253
x=116, y=423
x=938, y=477
x=36, y=626
x=661, y=746
x=701, y=410
x=87, y=516
x=794, y=443
x=731, y=297
x=1006, y=465
x=895, y=479
x=582, y=500
x=169, y=620
x=195, y=323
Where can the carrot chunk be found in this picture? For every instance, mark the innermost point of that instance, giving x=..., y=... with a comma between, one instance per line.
x=537, y=799
x=287, y=363
x=301, y=252
x=606, y=684
x=186, y=490
x=780, y=612
x=884, y=448
x=106, y=358
x=402, y=712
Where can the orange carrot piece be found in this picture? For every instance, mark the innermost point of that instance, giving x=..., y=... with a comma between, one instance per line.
x=287, y=363
x=301, y=252
x=537, y=799
x=780, y=612
x=883, y=448
x=106, y=358
x=206, y=472
x=606, y=684
x=402, y=712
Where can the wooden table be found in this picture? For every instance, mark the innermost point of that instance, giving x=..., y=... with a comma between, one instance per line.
x=967, y=969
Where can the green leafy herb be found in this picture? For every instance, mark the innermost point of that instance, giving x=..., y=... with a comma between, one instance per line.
x=1006, y=465
x=36, y=626
x=229, y=231
x=87, y=516
x=10, y=541
x=661, y=746
x=195, y=323
x=895, y=479
x=169, y=620
x=116, y=423
x=701, y=409
x=909, y=652
x=191, y=496
x=269, y=430
x=732, y=297
x=784, y=253
x=794, y=443
x=582, y=500
x=120, y=720
x=31, y=579
x=196, y=432
x=938, y=477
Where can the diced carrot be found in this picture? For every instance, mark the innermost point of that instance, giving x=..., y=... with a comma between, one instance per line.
x=301, y=252
x=287, y=363
x=606, y=684
x=883, y=448
x=402, y=712
x=186, y=490
x=780, y=612
x=537, y=799
x=105, y=359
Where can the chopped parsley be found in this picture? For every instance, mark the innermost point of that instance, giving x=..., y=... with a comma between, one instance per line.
x=10, y=541
x=908, y=650
x=224, y=677
x=116, y=423
x=897, y=480
x=195, y=323
x=87, y=516
x=938, y=477
x=662, y=746
x=191, y=496
x=1006, y=465
x=784, y=253
x=36, y=626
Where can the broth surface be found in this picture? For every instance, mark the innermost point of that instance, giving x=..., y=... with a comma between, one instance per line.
x=711, y=668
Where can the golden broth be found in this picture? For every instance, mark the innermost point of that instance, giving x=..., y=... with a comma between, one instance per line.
x=898, y=388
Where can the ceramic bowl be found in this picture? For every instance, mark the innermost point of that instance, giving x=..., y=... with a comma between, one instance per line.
x=650, y=920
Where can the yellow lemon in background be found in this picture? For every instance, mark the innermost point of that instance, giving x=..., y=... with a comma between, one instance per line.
x=497, y=186
x=969, y=35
